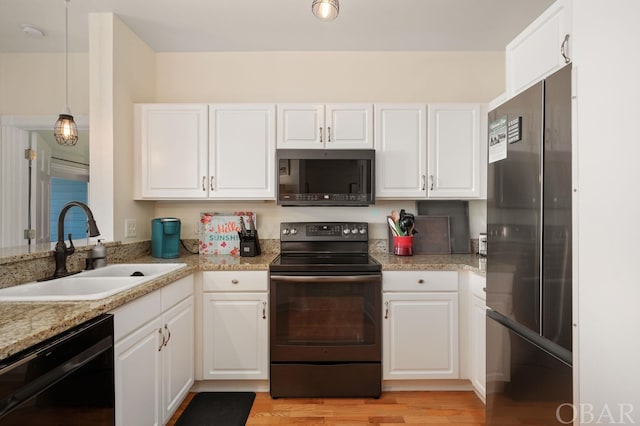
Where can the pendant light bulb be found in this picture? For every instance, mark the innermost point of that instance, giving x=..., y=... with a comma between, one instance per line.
x=65, y=130
x=326, y=10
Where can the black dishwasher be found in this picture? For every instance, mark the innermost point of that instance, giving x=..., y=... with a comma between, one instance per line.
x=67, y=379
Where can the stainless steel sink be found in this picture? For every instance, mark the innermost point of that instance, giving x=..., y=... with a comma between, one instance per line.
x=89, y=285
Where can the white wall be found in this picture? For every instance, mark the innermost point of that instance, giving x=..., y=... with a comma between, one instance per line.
x=324, y=77
x=607, y=206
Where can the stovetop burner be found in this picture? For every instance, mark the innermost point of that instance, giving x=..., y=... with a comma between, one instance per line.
x=324, y=247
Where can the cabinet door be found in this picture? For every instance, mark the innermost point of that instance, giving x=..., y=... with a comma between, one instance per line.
x=235, y=336
x=454, y=151
x=420, y=336
x=301, y=126
x=171, y=150
x=538, y=50
x=242, y=151
x=401, y=143
x=137, y=376
x=349, y=126
x=177, y=356
x=478, y=345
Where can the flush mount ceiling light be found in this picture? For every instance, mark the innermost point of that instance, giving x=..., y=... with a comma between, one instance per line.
x=32, y=31
x=326, y=10
x=65, y=130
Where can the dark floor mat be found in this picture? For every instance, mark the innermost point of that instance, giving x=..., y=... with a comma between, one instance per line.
x=217, y=409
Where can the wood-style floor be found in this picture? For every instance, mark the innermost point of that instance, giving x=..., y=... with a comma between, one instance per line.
x=393, y=408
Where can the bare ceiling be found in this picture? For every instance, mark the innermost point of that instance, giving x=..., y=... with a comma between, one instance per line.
x=276, y=25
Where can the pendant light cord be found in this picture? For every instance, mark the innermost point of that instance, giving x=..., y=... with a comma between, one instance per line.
x=66, y=56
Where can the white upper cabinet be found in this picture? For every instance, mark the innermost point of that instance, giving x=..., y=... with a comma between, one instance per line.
x=171, y=145
x=454, y=151
x=199, y=151
x=542, y=48
x=401, y=143
x=330, y=126
x=242, y=141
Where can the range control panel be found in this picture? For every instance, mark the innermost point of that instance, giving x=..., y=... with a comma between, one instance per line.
x=324, y=231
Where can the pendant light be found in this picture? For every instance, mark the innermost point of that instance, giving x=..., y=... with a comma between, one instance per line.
x=65, y=130
x=326, y=10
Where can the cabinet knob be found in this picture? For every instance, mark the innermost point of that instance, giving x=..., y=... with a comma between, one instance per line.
x=234, y=281
x=420, y=281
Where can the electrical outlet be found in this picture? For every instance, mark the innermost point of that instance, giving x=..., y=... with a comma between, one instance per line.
x=196, y=228
x=130, y=230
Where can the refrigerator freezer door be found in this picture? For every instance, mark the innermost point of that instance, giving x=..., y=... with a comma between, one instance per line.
x=556, y=224
x=525, y=384
x=514, y=214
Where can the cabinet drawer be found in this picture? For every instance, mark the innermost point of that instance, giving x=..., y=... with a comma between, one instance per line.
x=419, y=281
x=133, y=315
x=235, y=281
x=174, y=293
x=478, y=284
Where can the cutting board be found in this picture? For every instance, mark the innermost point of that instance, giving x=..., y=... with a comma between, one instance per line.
x=433, y=235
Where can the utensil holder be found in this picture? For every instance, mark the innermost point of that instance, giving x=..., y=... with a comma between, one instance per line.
x=403, y=245
x=249, y=244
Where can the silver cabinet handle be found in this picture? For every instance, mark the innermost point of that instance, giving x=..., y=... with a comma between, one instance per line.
x=424, y=182
x=211, y=183
x=564, y=49
x=386, y=310
x=321, y=135
x=234, y=281
x=161, y=344
x=204, y=181
x=168, y=335
x=264, y=310
x=431, y=180
x=328, y=134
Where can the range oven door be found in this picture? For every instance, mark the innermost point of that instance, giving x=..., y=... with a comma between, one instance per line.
x=334, y=318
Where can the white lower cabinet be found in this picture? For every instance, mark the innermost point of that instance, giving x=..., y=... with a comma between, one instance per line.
x=154, y=352
x=478, y=333
x=420, y=325
x=235, y=325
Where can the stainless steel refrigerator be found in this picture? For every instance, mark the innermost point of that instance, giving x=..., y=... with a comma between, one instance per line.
x=529, y=362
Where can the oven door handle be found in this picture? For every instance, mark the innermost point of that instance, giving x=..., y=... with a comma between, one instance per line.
x=326, y=278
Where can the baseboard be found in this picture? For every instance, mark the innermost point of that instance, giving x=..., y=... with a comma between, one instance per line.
x=426, y=385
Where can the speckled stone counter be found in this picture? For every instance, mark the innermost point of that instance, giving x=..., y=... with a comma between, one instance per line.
x=24, y=324
x=453, y=262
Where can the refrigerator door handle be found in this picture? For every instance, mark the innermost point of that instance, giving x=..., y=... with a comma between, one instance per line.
x=532, y=337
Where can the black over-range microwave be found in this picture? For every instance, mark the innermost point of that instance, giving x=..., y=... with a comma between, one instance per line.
x=326, y=177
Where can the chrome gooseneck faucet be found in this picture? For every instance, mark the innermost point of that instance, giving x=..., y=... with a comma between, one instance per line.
x=61, y=250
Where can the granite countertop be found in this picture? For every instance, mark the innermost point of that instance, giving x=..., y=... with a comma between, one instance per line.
x=23, y=324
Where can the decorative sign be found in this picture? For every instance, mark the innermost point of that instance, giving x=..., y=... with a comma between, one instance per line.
x=514, y=130
x=219, y=232
x=498, y=139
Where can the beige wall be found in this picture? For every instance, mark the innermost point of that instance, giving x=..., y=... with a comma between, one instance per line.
x=324, y=77
x=122, y=73
x=33, y=83
x=330, y=77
